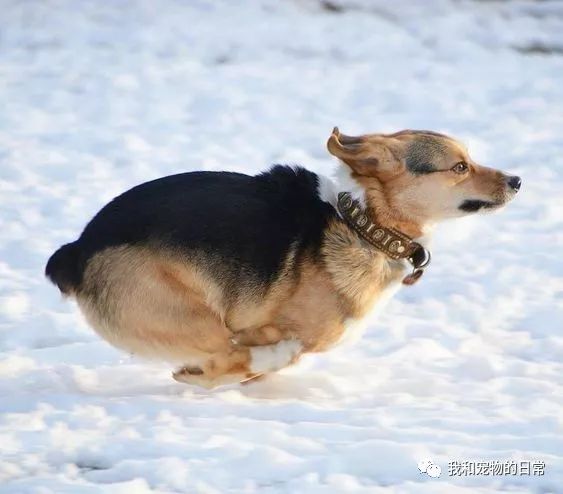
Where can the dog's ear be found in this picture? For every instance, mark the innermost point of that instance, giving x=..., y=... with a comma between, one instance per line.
x=365, y=155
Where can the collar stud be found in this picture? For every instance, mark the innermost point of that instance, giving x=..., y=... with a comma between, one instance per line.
x=391, y=242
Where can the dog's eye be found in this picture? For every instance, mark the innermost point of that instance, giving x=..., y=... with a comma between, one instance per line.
x=460, y=167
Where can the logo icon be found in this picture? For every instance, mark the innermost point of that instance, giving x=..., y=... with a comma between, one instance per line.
x=428, y=467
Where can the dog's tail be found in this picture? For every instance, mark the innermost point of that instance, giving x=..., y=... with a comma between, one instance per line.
x=63, y=268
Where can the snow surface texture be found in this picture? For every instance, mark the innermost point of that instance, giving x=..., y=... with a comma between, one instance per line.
x=96, y=97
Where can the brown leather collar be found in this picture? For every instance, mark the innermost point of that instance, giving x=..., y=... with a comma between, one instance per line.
x=391, y=242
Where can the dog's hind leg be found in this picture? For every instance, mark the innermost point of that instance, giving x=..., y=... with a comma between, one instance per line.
x=167, y=310
x=241, y=364
x=217, y=369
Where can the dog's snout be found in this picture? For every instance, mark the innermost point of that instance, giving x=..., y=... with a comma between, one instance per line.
x=514, y=182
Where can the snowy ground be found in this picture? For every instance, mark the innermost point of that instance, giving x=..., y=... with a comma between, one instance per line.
x=467, y=365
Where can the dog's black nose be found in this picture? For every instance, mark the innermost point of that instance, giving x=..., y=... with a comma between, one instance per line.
x=514, y=182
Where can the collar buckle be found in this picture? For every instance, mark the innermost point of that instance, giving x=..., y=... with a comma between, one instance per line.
x=419, y=260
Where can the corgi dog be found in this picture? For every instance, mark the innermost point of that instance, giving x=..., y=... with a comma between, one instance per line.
x=229, y=277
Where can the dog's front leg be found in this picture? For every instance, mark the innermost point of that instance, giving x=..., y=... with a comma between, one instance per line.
x=271, y=349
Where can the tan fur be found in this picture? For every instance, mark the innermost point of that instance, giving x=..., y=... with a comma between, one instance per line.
x=254, y=311
x=132, y=295
x=358, y=274
x=162, y=304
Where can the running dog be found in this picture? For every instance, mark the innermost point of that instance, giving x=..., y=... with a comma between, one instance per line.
x=229, y=277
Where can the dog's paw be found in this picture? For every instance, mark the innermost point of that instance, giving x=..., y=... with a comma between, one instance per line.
x=270, y=358
x=187, y=374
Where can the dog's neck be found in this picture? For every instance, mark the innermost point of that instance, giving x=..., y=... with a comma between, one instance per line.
x=396, y=237
x=391, y=217
x=382, y=212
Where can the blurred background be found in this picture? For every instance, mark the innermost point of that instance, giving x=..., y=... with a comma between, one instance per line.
x=96, y=97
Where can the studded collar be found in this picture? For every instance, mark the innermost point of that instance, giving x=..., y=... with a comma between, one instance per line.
x=391, y=242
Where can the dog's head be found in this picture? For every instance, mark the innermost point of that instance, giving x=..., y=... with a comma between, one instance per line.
x=423, y=175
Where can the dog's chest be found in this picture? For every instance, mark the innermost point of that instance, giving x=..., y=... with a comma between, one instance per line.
x=353, y=328
x=323, y=317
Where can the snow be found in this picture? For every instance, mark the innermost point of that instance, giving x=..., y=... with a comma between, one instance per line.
x=467, y=365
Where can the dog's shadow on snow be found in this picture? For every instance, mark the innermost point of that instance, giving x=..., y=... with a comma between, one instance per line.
x=272, y=387
x=130, y=378
x=291, y=386
x=285, y=386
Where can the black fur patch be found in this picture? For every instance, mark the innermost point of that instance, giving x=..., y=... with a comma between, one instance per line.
x=422, y=150
x=474, y=205
x=246, y=224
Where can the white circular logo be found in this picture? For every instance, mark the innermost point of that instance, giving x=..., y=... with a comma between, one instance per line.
x=428, y=467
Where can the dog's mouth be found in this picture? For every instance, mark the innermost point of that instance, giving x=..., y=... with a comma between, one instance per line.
x=502, y=196
x=475, y=205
